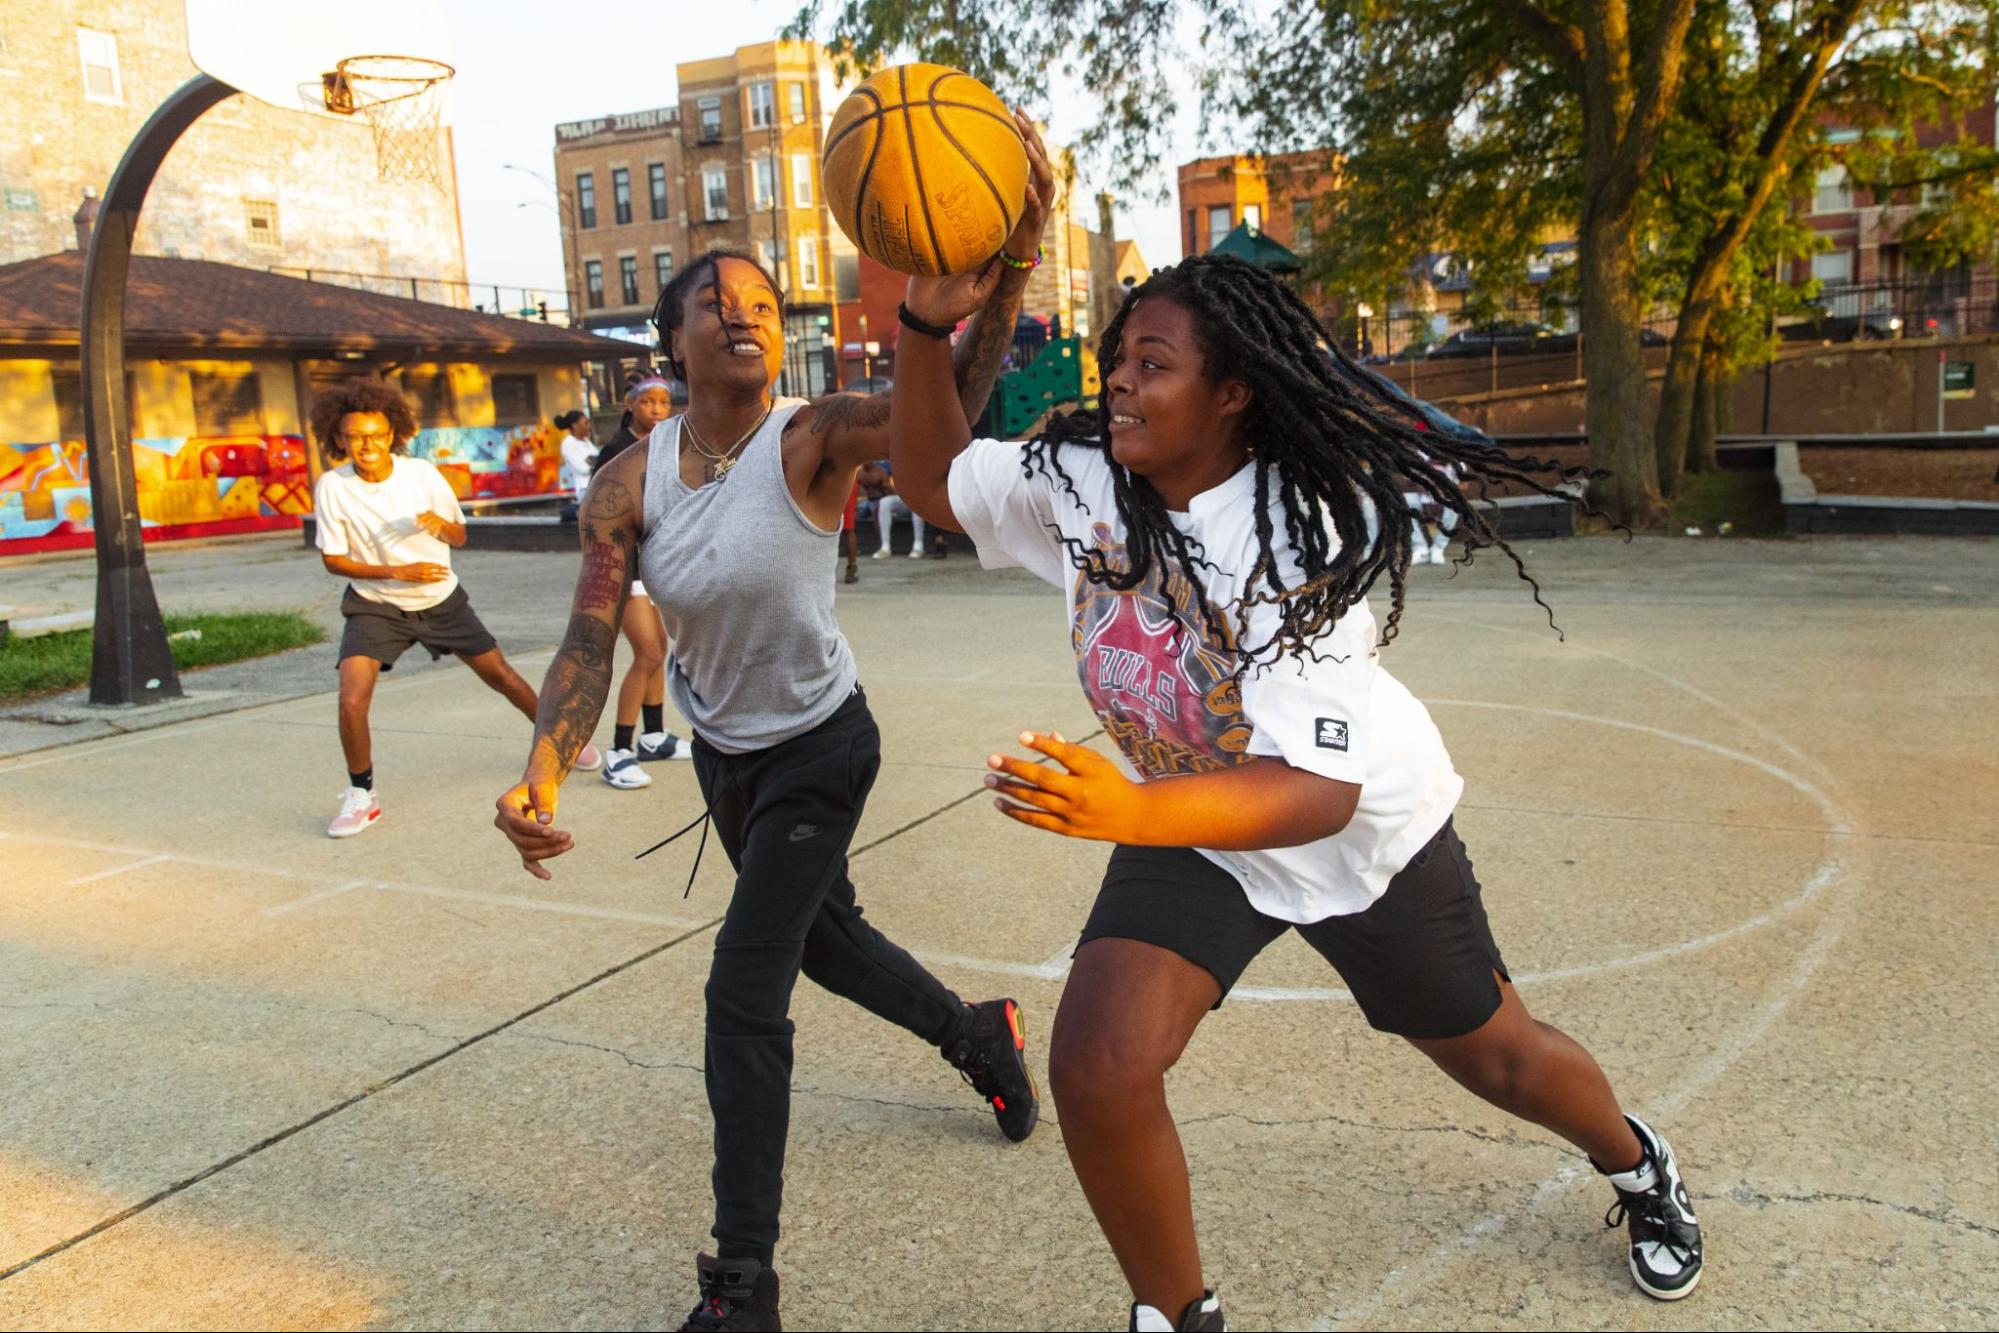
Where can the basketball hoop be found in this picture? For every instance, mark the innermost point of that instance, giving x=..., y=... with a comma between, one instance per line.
x=402, y=99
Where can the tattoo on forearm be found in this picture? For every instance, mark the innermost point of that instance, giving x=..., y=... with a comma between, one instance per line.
x=602, y=583
x=579, y=681
x=983, y=348
x=848, y=411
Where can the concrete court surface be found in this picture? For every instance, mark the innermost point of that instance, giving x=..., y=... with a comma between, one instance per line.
x=1737, y=835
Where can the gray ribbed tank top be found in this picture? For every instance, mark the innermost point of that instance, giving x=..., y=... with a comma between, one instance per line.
x=745, y=582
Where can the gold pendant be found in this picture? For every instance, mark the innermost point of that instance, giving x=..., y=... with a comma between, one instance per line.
x=722, y=467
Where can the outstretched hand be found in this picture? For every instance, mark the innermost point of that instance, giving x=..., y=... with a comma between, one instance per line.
x=1087, y=797
x=526, y=814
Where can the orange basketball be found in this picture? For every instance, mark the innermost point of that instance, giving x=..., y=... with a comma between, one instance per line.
x=924, y=169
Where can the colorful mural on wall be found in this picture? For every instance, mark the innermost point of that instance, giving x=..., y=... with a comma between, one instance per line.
x=209, y=486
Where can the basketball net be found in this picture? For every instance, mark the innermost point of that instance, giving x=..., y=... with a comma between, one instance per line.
x=402, y=99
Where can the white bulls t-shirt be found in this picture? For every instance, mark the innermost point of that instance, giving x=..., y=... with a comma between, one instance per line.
x=375, y=523
x=1171, y=701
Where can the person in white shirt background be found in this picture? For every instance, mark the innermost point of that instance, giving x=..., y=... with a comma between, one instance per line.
x=579, y=455
x=388, y=523
x=1212, y=527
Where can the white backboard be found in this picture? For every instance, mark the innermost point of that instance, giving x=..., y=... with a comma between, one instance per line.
x=278, y=53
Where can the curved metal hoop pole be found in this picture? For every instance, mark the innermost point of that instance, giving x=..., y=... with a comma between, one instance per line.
x=130, y=662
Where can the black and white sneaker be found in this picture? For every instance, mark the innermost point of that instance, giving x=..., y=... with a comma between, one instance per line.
x=735, y=1294
x=992, y=1056
x=1202, y=1316
x=1652, y=1201
x=656, y=745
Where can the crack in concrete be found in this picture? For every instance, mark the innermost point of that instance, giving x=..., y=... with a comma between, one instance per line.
x=1944, y=1216
x=1502, y=1140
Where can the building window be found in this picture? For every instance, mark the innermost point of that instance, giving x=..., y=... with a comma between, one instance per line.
x=227, y=402
x=763, y=183
x=801, y=180
x=846, y=277
x=1834, y=193
x=1252, y=214
x=808, y=261
x=586, y=200
x=99, y=53
x=1834, y=267
x=1301, y=226
x=428, y=390
x=662, y=267
x=715, y=185
x=621, y=195
x=1220, y=221
x=773, y=264
x=656, y=178
x=593, y=284
x=628, y=278
x=763, y=107
x=711, y=119
x=797, y=94
x=1193, y=231
x=516, y=400
x=260, y=220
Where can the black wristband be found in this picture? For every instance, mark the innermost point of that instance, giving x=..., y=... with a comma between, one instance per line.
x=909, y=321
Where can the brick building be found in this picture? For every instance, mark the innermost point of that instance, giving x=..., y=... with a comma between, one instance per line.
x=1273, y=195
x=247, y=184
x=735, y=162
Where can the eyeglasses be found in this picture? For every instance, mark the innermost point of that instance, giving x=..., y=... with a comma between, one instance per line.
x=384, y=440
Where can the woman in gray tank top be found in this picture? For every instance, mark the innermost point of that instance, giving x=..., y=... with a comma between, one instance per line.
x=731, y=511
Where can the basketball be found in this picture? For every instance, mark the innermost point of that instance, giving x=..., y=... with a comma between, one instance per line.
x=924, y=169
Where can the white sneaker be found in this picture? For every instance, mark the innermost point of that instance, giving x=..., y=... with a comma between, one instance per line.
x=881, y=553
x=359, y=809
x=662, y=745
x=1419, y=556
x=621, y=770
x=588, y=759
x=1440, y=554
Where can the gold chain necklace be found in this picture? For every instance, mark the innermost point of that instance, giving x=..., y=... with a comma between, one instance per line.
x=726, y=459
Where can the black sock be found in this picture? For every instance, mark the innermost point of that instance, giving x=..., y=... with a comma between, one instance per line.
x=365, y=779
x=655, y=716
x=621, y=736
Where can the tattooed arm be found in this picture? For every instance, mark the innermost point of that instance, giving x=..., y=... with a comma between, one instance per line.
x=579, y=679
x=854, y=429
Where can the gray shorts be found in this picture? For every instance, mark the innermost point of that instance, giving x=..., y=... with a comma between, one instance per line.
x=383, y=632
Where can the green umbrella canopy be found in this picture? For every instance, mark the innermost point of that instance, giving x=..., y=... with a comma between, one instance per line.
x=1247, y=242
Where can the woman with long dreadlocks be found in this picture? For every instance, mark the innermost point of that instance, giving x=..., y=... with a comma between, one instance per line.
x=1216, y=524
x=731, y=511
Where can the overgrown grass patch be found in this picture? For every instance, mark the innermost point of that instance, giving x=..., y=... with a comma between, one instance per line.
x=1747, y=500
x=51, y=662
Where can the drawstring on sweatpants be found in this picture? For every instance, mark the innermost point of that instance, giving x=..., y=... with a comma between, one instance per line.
x=699, y=848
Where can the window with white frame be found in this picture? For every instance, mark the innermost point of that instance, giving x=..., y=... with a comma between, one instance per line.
x=801, y=180
x=773, y=261
x=710, y=108
x=763, y=182
x=1834, y=192
x=808, y=261
x=1221, y=220
x=99, y=54
x=715, y=185
x=1252, y=215
x=763, y=107
x=260, y=222
x=797, y=93
x=1833, y=267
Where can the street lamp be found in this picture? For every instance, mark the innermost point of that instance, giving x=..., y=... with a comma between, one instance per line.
x=575, y=230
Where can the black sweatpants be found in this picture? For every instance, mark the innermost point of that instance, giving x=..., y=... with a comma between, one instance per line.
x=786, y=816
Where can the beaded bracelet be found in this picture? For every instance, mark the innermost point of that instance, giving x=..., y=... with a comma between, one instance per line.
x=1033, y=263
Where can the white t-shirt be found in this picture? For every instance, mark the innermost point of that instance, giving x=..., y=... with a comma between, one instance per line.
x=375, y=522
x=1165, y=685
x=578, y=457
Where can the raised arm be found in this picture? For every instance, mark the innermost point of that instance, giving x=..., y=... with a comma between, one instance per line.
x=856, y=428
x=579, y=679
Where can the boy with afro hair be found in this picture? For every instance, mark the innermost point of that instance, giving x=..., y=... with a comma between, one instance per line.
x=388, y=523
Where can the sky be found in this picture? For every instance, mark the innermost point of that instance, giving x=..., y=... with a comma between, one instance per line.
x=524, y=66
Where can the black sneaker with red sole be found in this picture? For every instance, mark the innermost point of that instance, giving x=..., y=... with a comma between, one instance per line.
x=992, y=1056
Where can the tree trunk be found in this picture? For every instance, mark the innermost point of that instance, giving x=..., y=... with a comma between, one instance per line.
x=1707, y=414
x=1614, y=367
x=1673, y=433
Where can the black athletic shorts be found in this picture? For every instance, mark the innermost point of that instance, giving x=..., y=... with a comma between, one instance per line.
x=383, y=632
x=1419, y=961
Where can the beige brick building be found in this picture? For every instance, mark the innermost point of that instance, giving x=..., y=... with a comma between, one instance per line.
x=735, y=162
x=247, y=184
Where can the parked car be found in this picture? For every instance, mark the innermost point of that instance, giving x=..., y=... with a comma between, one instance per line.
x=1504, y=338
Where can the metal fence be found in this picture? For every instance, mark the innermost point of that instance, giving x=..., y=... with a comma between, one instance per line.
x=536, y=303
